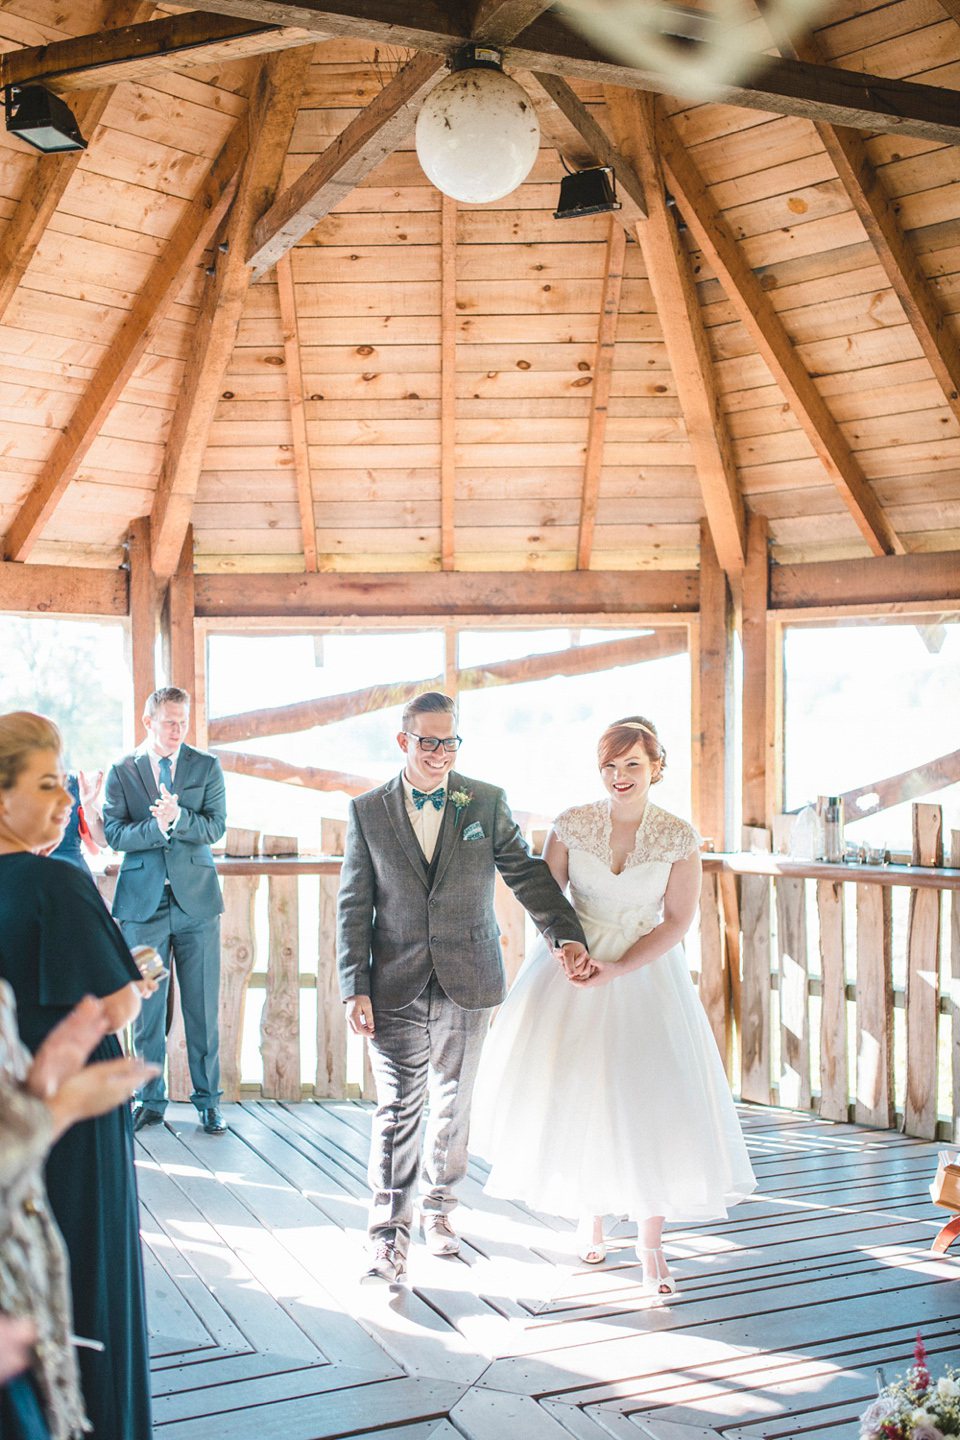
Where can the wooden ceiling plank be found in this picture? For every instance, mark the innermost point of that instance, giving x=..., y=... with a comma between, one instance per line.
x=744, y=291
x=52, y=173
x=785, y=86
x=602, y=378
x=603, y=151
x=273, y=110
x=180, y=257
x=879, y=214
x=497, y=22
x=134, y=51
x=298, y=420
x=373, y=135
x=448, y=379
x=671, y=280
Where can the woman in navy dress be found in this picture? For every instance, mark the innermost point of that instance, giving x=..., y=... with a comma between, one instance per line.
x=57, y=944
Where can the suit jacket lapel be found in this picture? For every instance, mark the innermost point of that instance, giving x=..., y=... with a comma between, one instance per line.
x=450, y=833
x=396, y=807
x=145, y=771
x=184, y=765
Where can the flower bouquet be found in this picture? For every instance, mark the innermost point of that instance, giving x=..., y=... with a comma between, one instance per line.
x=915, y=1407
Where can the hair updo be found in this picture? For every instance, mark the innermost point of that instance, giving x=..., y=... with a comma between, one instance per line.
x=623, y=734
x=22, y=732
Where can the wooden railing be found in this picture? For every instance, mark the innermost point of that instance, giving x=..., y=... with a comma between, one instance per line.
x=798, y=963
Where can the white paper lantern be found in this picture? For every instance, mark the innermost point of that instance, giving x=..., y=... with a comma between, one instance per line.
x=477, y=135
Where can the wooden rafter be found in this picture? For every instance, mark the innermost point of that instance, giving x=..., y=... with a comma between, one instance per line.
x=266, y=767
x=497, y=22
x=52, y=173
x=671, y=280
x=784, y=87
x=565, y=112
x=273, y=110
x=879, y=214
x=448, y=378
x=744, y=291
x=133, y=51
x=298, y=419
x=373, y=135
x=908, y=785
x=181, y=255
x=329, y=709
x=600, y=393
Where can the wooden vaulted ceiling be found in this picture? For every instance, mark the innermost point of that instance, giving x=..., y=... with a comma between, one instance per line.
x=245, y=310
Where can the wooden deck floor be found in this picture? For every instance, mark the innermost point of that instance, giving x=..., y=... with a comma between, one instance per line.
x=259, y=1329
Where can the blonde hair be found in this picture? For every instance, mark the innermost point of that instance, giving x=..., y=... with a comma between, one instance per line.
x=623, y=734
x=22, y=732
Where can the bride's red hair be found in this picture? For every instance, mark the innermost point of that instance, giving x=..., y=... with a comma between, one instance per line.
x=623, y=734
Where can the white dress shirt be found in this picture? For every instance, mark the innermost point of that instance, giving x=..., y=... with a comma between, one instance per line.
x=147, y=749
x=427, y=820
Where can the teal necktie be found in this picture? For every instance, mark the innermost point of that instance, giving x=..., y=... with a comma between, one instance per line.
x=166, y=772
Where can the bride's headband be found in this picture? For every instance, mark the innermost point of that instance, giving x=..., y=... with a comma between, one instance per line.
x=636, y=725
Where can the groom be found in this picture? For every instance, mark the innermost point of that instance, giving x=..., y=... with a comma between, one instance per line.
x=420, y=966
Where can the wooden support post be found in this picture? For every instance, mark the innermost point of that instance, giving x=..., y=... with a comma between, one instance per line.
x=794, y=1007
x=143, y=620
x=331, y=1078
x=448, y=379
x=755, y=984
x=179, y=1085
x=286, y=292
x=923, y=981
x=874, y=1103
x=762, y=686
x=179, y=630
x=280, y=1022
x=955, y=989
x=238, y=954
x=451, y=674
x=834, y=1082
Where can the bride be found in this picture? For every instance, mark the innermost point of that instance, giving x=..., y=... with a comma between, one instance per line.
x=602, y=1092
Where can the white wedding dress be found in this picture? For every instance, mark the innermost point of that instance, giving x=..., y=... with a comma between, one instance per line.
x=611, y=1100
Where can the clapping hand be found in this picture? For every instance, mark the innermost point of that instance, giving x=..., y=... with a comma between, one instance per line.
x=89, y=783
x=166, y=810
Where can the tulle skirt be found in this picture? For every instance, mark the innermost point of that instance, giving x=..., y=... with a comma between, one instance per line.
x=611, y=1100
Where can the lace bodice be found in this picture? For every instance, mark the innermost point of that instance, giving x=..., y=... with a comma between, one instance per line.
x=615, y=910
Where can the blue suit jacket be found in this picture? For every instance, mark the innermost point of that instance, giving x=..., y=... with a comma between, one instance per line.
x=183, y=856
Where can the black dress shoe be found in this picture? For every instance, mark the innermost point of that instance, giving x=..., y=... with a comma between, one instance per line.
x=213, y=1122
x=142, y=1117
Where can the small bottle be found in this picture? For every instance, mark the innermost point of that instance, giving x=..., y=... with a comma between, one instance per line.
x=833, y=829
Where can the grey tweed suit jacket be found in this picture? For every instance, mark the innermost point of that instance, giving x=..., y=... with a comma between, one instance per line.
x=396, y=924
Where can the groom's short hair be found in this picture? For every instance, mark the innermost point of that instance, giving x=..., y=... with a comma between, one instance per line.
x=432, y=702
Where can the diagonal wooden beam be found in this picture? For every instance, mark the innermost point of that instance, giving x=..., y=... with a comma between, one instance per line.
x=367, y=140
x=52, y=173
x=602, y=377
x=952, y=8
x=598, y=144
x=754, y=307
x=134, y=51
x=182, y=254
x=273, y=110
x=497, y=22
x=675, y=293
x=879, y=214
x=448, y=379
x=298, y=419
x=784, y=87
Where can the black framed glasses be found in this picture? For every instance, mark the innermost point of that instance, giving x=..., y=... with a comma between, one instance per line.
x=431, y=742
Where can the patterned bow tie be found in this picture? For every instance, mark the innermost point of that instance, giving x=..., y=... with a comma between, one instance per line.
x=436, y=798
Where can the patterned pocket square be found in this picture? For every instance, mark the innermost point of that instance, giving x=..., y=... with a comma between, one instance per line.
x=474, y=831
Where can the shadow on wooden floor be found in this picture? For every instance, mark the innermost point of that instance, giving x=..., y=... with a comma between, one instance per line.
x=259, y=1330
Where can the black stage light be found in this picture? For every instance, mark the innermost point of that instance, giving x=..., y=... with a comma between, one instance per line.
x=587, y=192
x=42, y=119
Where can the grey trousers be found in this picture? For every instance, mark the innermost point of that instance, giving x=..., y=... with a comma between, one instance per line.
x=195, y=946
x=423, y=1055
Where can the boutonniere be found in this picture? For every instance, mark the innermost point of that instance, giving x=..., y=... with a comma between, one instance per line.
x=461, y=799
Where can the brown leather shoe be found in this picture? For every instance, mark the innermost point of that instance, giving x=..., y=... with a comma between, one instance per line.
x=387, y=1265
x=439, y=1234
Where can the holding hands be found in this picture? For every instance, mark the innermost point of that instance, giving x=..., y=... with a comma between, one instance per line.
x=574, y=959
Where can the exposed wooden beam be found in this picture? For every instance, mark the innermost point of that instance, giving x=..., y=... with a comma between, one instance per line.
x=908, y=785
x=62, y=590
x=600, y=391
x=879, y=213
x=273, y=110
x=448, y=378
x=744, y=291
x=892, y=579
x=143, y=619
x=784, y=87
x=601, y=595
x=757, y=680
x=179, y=629
x=330, y=709
x=298, y=419
x=266, y=767
x=451, y=652
x=497, y=22
x=133, y=51
x=670, y=276
x=180, y=256
x=373, y=135
x=598, y=143
x=51, y=173
x=712, y=801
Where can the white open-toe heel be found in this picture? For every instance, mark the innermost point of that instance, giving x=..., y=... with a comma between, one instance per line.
x=657, y=1279
x=590, y=1250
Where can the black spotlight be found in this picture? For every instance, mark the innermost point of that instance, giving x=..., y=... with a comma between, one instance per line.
x=42, y=119
x=587, y=192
